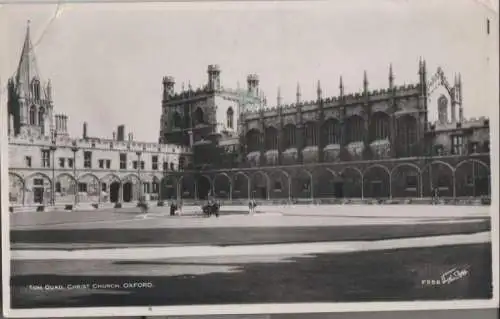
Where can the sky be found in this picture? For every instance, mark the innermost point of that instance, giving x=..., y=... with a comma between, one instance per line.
x=106, y=61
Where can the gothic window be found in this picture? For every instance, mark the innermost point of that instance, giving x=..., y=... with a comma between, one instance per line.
x=380, y=126
x=33, y=115
x=289, y=136
x=230, y=117
x=123, y=161
x=253, y=140
x=332, y=132
x=443, y=109
x=177, y=120
x=28, y=161
x=271, y=138
x=87, y=159
x=41, y=119
x=45, y=158
x=36, y=89
x=154, y=160
x=457, y=142
x=199, y=116
x=310, y=132
x=354, y=129
x=58, y=187
x=108, y=164
x=406, y=136
x=62, y=162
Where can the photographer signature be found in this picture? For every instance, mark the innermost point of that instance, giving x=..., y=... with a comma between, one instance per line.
x=449, y=276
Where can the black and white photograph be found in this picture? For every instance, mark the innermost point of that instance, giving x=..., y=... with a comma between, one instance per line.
x=208, y=158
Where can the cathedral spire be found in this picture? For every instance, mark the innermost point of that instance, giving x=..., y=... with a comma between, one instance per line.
x=27, y=69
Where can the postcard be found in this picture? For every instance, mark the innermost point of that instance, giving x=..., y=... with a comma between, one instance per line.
x=211, y=158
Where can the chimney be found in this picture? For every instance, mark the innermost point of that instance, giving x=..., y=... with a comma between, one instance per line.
x=85, y=130
x=121, y=133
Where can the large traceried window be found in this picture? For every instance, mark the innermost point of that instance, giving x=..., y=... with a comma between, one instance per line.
x=289, y=135
x=253, y=140
x=271, y=138
x=406, y=136
x=380, y=126
x=36, y=89
x=355, y=128
x=177, y=120
x=332, y=131
x=199, y=117
x=230, y=118
x=311, y=134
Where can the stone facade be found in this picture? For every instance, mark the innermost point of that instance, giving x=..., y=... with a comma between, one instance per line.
x=350, y=145
x=49, y=167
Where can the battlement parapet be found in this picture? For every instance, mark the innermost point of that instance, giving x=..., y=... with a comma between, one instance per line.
x=480, y=122
x=99, y=143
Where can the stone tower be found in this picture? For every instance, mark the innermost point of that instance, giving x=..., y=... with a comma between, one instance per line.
x=29, y=98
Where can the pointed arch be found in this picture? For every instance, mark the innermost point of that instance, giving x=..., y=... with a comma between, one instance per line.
x=406, y=183
x=16, y=189
x=230, y=118
x=204, y=186
x=354, y=128
x=32, y=115
x=271, y=142
x=377, y=181
x=472, y=178
x=169, y=187
x=380, y=126
x=253, y=140
x=352, y=182
x=222, y=185
x=289, y=136
x=438, y=175
x=38, y=187
x=280, y=183
x=199, y=116
x=177, y=120
x=332, y=131
x=260, y=186
x=241, y=189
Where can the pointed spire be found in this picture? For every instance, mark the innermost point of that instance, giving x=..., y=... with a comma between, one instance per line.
x=278, y=97
x=391, y=77
x=27, y=69
x=341, y=87
x=298, y=94
x=319, y=91
x=49, y=90
x=365, y=82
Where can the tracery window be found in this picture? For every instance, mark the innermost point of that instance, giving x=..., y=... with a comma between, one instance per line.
x=271, y=138
x=253, y=140
x=333, y=132
x=199, y=116
x=36, y=89
x=230, y=117
x=33, y=115
x=355, y=127
x=311, y=134
x=380, y=126
x=289, y=136
x=177, y=120
x=407, y=136
x=41, y=119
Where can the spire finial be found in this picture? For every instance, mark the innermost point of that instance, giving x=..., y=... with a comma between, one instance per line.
x=391, y=77
x=341, y=86
x=298, y=94
x=365, y=81
x=278, y=97
x=319, y=91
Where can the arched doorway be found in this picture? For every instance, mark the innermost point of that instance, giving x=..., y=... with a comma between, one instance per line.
x=204, y=187
x=127, y=191
x=376, y=182
x=260, y=185
x=222, y=185
x=114, y=192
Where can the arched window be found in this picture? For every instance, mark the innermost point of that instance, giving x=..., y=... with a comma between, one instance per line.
x=33, y=115
x=41, y=119
x=380, y=126
x=407, y=136
x=199, y=116
x=332, y=131
x=36, y=89
x=253, y=140
x=177, y=120
x=271, y=138
x=230, y=117
x=289, y=136
x=354, y=129
x=311, y=136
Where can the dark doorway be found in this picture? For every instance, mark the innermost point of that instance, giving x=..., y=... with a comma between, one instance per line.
x=338, y=189
x=376, y=189
x=38, y=195
x=262, y=191
x=127, y=192
x=203, y=187
x=481, y=186
x=114, y=192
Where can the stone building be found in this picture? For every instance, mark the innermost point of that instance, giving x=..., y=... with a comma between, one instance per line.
x=49, y=167
x=376, y=143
